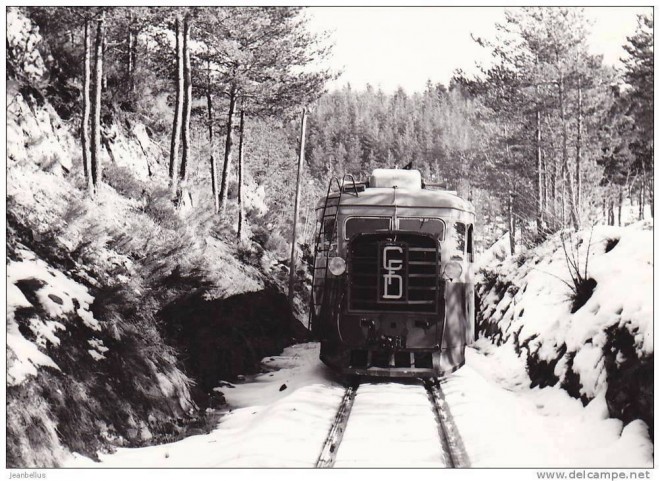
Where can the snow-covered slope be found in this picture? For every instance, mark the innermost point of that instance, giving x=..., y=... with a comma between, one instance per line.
x=604, y=349
x=281, y=419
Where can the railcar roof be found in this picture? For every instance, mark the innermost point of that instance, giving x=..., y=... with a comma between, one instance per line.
x=383, y=197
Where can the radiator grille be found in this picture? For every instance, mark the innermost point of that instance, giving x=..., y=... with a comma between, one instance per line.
x=419, y=272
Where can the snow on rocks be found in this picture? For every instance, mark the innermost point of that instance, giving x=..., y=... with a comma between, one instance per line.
x=526, y=300
x=23, y=356
x=57, y=296
x=37, y=136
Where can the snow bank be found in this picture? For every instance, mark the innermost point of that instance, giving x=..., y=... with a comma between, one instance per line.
x=526, y=300
x=499, y=251
x=504, y=423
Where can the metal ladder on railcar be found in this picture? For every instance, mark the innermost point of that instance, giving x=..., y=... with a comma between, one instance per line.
x=321, y=246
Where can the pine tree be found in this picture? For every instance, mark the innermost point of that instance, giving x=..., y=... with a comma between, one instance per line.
x=256, y=54
x=178, y=109
x=639, y=75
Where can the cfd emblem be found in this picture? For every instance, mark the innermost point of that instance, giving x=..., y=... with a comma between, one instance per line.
x=392, y=281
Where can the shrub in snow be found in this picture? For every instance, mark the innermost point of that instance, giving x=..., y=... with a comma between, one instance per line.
x=611, y=244
x=582, y=286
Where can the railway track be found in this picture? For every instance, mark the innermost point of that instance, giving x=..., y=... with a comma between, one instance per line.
x=336, y=434
x=453, y=452
x=451, y=441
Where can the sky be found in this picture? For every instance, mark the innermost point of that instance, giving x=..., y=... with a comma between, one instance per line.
x=389, y=47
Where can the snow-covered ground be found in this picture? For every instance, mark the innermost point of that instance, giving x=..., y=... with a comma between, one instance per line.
x=281, y=419
x=391, y=425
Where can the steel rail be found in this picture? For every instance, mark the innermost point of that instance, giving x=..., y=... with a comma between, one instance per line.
x=332, y=442
x=451, y=441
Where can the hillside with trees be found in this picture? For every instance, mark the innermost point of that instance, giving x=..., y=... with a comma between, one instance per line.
x=149, y=204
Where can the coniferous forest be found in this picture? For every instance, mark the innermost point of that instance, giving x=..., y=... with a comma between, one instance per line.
x=548, y=134
x=551, y=134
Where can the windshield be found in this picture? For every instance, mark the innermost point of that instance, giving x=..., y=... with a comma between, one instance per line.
x=358, y=225
x=423, y=224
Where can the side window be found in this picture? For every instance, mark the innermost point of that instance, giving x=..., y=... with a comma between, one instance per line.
x=328, y=229
x=457, y=242
x=328, y=232
x=470, y=248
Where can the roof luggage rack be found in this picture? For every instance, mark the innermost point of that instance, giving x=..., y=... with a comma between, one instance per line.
x=355, y=187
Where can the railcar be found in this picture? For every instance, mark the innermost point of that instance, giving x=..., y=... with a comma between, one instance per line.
x=393, y=288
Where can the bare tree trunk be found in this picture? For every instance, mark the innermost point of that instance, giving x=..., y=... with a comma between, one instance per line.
x=512, y=236
x=187, y=104
x=563, y=199
x=651, y=193
x=642, y=193
x=512, y=224
x=130, y=66
x=240, y=176
x=132, y=55
x=620, y=204
x=567, y=178
x=96, y=105
x=104, y=76
x=84, y=131
x=553, y=198
x=539, y=167
x=134, y=51
x=610, y=213
x=129, y=48
x=578, y=155
x=209, y=106
x=178, y=111
x=546, y=184
x=296, y=210
x=228, y=144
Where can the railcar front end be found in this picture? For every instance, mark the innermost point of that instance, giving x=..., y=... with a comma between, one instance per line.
x=393, y=292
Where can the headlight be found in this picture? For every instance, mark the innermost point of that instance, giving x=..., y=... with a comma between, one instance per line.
x=453, y=270
x=337, y=266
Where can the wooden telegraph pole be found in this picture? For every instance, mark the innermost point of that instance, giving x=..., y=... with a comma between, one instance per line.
x=301, y=157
